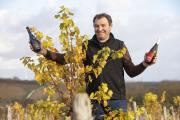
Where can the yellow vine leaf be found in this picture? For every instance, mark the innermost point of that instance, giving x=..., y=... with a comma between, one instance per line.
x=38, y=77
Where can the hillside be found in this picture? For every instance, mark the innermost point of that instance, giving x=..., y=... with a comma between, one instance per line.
x=138, y=89
x=17, y=90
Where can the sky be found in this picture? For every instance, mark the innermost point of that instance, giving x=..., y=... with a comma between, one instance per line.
x=139, y=23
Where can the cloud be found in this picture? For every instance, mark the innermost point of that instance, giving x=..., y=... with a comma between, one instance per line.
x=3, y=13
x=4, y=48
x=10, y=64
x=138, y=23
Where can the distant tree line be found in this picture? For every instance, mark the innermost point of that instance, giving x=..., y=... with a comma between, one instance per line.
x=134, y=89
x=138, y=89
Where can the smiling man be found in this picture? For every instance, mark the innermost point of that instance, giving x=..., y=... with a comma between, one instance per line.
x=113, y=72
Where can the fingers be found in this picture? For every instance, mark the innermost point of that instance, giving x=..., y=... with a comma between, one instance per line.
x=154, y=60
x=31, y=47
x=43, y=51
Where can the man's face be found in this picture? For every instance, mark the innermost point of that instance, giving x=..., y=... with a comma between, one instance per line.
x=102, y=28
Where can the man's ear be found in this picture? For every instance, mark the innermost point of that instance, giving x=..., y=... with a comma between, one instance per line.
x=111, y=27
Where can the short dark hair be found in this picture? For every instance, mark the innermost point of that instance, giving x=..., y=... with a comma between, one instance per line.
x=101, y=15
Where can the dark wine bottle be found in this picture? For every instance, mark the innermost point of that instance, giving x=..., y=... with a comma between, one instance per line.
x=35, y=43
x=151, y=54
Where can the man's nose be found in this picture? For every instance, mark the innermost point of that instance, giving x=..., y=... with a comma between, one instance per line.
x=99, y=28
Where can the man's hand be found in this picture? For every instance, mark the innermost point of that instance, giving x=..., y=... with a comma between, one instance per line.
x=42, y=52
x=151, y=63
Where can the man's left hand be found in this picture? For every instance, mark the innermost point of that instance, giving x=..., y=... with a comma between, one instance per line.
x=151, y=63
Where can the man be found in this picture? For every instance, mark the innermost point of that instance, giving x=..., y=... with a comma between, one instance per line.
x=113, y=72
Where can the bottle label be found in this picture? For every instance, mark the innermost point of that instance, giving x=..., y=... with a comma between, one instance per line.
x=149, y=57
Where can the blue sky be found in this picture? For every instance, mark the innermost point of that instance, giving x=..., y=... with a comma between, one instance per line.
x=137, y=22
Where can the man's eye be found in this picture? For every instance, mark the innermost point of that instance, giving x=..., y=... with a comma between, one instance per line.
x=103, y=25
x=96, y=26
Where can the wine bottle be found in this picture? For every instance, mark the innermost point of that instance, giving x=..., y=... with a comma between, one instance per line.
x=34, y=41
x=151, y=54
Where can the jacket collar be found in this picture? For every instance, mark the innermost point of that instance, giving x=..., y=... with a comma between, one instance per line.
x=108, y=42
